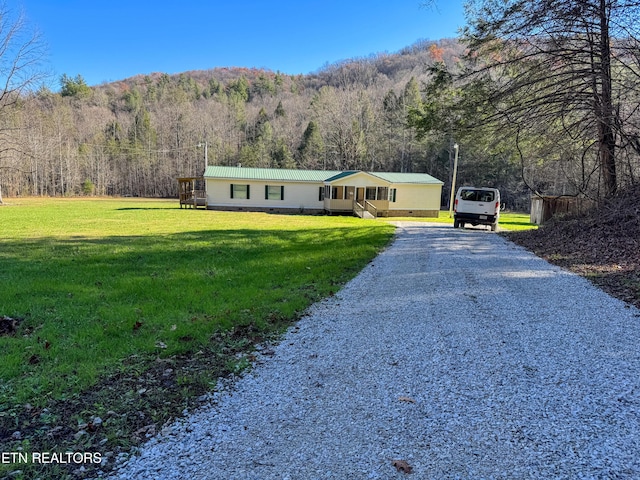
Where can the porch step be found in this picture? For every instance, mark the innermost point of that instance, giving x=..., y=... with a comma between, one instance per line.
x=363, y=211
x=364, y=214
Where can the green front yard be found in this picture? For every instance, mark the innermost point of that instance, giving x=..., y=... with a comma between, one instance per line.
x=96, y=294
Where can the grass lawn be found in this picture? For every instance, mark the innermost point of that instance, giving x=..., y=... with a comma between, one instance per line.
x=123, y=310
x=508, y=220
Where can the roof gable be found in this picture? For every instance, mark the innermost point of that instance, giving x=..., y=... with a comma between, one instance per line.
x=340, y=175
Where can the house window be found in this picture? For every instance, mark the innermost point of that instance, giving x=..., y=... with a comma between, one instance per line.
x=392, y=194
x=371, y=193
x=349, y=192
x=383, y=193
x=337, y=193
x=239, y=191
x=321, y=194
x=274, y=192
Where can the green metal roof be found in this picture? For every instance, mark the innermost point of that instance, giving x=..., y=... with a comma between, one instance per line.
x=291, y=175
x=393, y=177
x=244, y=173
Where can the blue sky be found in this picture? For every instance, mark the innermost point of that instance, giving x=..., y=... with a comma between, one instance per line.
x=111, y=40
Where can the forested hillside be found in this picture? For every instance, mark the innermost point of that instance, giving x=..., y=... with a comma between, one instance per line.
x=541, y=98
x=135, y=136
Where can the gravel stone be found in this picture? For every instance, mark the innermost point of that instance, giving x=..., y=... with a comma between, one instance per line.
x=514, y=369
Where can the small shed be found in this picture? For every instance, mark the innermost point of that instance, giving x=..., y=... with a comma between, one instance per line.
x=546, y=206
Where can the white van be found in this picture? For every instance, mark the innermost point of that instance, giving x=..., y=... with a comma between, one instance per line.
x=477, y=206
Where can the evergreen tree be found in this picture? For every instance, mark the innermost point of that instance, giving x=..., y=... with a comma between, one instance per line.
x=74, y=87
x=311, y=148
x=239, y=89
x=282, y=157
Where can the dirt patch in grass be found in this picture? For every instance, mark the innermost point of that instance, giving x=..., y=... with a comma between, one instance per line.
x=602, y=245
x=9, y=325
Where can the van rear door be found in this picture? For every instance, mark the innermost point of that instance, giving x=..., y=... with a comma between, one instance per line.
x=478, y=201
x=478, y=206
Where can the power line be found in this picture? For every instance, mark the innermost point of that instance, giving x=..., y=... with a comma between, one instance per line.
x=141, y=148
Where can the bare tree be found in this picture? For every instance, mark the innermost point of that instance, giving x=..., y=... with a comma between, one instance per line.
x=21, y=54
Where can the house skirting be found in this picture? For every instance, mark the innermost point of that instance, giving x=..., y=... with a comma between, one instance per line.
x=276, y=210
x=320, y=211
x=411, y=213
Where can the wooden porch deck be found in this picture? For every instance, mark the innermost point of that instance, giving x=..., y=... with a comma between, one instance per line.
x=191, y=192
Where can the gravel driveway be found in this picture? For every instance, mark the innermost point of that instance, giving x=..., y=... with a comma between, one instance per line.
x=455, y=351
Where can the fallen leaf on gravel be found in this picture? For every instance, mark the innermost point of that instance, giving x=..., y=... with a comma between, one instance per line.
x=407, y=399
x=402, y=466
x=145, y=431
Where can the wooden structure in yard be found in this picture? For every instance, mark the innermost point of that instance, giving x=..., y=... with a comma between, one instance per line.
x=191, y=192
x=545, y=207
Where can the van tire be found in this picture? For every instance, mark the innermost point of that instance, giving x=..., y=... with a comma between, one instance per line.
x=456, y=224
x=494, y=227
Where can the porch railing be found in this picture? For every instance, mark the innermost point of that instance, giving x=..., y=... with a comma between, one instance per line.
x=371, y=208
x=193, y=198
x=366, y=210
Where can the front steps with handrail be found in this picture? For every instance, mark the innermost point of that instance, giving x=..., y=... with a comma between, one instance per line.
x=366, y=210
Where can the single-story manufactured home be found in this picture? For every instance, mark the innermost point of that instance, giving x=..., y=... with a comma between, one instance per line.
x=367, y=194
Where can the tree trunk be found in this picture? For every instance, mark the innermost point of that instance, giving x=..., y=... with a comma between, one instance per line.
x=606, y=133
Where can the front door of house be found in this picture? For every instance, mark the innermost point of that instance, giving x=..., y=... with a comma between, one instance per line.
x=360, y=194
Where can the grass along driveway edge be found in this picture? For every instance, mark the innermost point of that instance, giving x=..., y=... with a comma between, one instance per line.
x=128, y=311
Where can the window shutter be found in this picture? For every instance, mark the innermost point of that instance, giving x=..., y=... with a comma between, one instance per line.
x=282, y=192
x=247, y=192
x=266, y=192
x=232, y=190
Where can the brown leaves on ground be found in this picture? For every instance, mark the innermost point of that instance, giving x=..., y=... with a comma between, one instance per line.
x=603, y=245
x=402, y=466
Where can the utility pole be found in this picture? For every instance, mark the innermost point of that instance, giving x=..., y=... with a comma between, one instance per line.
x=205, y=145
x=453, y=180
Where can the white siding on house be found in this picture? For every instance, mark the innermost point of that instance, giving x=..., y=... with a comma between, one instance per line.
x=416, y=197
x=415, y=194
x=297, y=195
